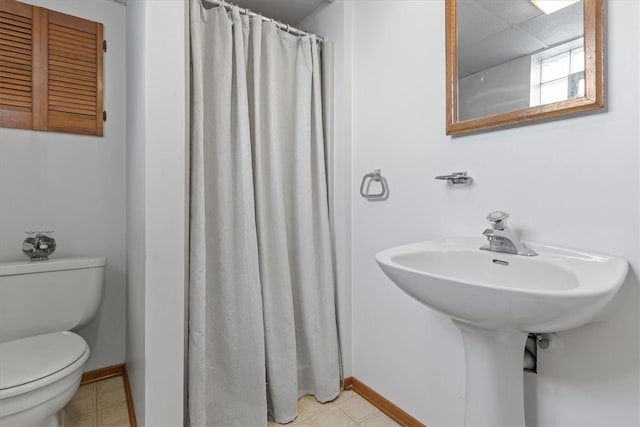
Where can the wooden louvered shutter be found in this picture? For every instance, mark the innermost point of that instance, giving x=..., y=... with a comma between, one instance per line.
x=50, y=70
x=73, y=96
x=18, y=41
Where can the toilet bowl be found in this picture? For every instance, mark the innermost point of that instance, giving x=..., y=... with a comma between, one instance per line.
x=41, y=362
x=38, y=376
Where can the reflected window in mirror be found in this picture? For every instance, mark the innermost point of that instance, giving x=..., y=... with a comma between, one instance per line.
x=557, y=74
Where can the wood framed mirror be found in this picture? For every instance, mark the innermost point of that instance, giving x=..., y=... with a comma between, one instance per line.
x=510, y=62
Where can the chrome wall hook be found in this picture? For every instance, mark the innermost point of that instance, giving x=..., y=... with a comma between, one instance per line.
x=456, y=178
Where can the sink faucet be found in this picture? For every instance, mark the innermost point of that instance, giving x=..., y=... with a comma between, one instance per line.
x=501, y=239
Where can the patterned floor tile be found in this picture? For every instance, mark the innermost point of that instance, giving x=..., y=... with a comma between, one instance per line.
x=380, y=420
x=111, y=398
x=114, y=416
x=344, y=396
x=303, y=423
x=333, y=417
x=86, y=390
x=85, y=420
x=358, y=409
x=308, y=406
x=82, y=403
x=99, y=404
x=347, y=410
x=110, y=384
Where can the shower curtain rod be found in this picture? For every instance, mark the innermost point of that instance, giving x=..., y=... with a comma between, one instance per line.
x=286, y=27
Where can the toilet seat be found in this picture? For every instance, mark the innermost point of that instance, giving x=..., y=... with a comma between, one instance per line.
x=34, y=362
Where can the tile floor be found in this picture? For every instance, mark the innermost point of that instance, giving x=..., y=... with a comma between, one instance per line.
x=104, y=403
x=348, y=410
x=99, y=404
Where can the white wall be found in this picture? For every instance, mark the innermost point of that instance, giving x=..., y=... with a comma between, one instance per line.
x=638, y=252
x=75, y=185
x=136, y=146
x=572, y=182
x=332, y=20
x=158, y=226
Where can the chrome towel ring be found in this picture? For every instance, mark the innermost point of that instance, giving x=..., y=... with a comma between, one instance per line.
x=365, y=186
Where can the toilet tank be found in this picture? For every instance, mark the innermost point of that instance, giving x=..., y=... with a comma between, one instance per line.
x=38, y=297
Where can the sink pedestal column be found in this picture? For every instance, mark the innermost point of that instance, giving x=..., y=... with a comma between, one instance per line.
x=494, y=378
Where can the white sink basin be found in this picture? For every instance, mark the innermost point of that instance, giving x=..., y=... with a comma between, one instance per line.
x=558, y=289
x=495, y=299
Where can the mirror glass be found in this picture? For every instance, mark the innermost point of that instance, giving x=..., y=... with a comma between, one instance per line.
x=510, y=61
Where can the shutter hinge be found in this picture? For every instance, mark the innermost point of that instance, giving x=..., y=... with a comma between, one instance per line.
x=104, y=116
x=104, y=45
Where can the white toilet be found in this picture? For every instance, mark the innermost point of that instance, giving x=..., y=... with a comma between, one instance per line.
x=41, y=362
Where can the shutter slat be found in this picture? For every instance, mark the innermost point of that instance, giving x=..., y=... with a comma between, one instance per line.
x=17, y=54
x=64, y=74
x=9, y=66
x=72, y=54
x=55, y=44
x=87, y=96
x=72, y=32
x=14, y=17
x=14, y=76
x=79, y=42
x=13, y=86
x=19, y=93
x=70, y=108
x=63, y=99
x=81, y=93
x=12, y=34
x=7, y=44
x=84, y=78
x=11, y=26
x=65, y=79
x=7, y=22
x=16, y=95
x=61, y=86
x=9, y=101
x=58, y=61
x=15, y=106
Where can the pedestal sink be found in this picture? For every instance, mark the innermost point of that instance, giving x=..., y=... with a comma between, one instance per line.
x=496, y=299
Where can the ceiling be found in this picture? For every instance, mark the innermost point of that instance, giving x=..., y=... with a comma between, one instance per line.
x=492, y=32
x=286, y=11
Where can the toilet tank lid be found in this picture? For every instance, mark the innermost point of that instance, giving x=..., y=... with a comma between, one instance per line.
x=30, y=359
x=54, y=264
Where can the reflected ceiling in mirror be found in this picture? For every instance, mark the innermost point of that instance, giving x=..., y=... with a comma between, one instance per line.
x=510, y=61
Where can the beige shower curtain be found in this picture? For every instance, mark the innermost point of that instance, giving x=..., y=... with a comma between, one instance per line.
x=262, y=327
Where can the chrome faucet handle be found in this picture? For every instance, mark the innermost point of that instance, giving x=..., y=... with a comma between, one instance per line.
x=498, y=220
